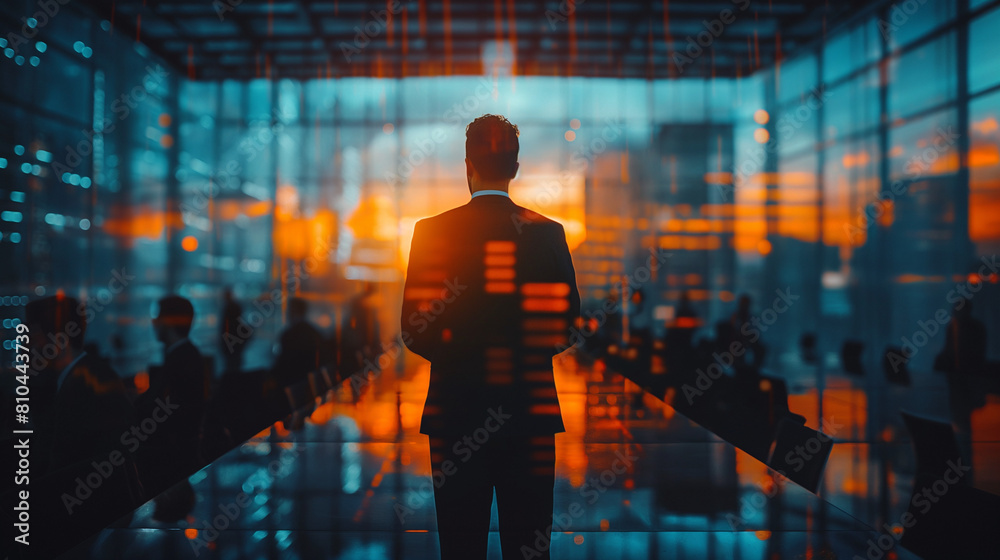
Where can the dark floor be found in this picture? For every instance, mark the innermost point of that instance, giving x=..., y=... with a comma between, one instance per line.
x=352, y=482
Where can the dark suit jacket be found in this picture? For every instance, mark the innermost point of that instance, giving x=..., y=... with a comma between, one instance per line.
x=91, y=412
x=490, y=298
x=182, y=379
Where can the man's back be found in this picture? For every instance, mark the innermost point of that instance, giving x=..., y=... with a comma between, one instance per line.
x=490, y=296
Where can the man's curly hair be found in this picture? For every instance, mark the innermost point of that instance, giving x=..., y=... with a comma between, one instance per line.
x=491, y=144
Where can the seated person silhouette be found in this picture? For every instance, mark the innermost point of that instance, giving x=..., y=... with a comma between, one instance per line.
x=489, y=299
x=301, y=348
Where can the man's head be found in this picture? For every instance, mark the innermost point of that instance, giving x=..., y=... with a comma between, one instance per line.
x=490, y=152
x=173, y=319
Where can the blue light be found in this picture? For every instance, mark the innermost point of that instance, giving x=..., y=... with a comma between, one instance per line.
x=78, y=46
x=85, y=182
x=19, y=150
x=74, y=179
x=6, y=343
x=106, y=25
x=65, y=177
x=15, y=237
x=36, y=169
x=34, y=61
x=17, y=196
x=41, y=46
x=11, y=216
x=87, y=52
x=85, y=224
x=26, y=168
x=32, y=22
x=44, y=156
x=3, y=163
x=6, y=325
x=19, y=60
x=3, y=42
x=9, y=52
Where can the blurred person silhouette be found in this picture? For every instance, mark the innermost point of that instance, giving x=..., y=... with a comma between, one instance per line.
x=964, y=351
x=490, y=298
x=176, y=400
x=361, y=334
x=752, y=357
x=678, y=340
x=231, y=343
x=301, y=347
x=82, y=411
x=89, y=409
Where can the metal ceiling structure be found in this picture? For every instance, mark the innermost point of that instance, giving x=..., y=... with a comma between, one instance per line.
x=302, y=39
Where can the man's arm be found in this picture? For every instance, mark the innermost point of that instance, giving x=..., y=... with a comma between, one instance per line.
x=567, y=274
x=417, y=332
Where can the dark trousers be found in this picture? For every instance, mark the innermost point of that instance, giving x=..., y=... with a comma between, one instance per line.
x=520, y=468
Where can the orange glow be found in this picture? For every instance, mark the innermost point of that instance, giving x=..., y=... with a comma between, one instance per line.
x=499, y=260
x=761, y=135
x=500, y=287
x=985, y=126
x=762, y=535
x=545, y=305
x=574, y=124
x=499, y=273
x=985, y=155
x=166, y=141
x=191, y=533
x=189, y=243
x=760, y=116
x=388, y=128
x=141, y=381
x=550, y=289
x=164, y=120
x=763, y=246
x=500, y=246
x=605, y=524
x=578, y=539
x=718, y=177
x=569, y=136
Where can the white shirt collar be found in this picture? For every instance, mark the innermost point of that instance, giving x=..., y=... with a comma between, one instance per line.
x=489, y=191
x=69, y=368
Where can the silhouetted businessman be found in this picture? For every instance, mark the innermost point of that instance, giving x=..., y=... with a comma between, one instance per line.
x=302, y=348
x=489, y=299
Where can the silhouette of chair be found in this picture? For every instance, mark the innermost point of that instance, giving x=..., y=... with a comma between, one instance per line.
x=963, y=521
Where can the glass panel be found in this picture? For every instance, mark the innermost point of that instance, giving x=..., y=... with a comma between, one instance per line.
x=984, y=43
